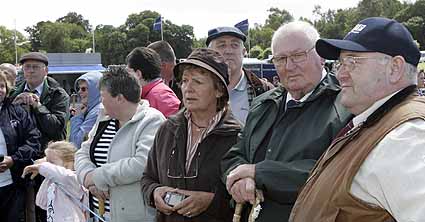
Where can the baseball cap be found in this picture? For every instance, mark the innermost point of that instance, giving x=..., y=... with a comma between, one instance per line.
x=375, y=34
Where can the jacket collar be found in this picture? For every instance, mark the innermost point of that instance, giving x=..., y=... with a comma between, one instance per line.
x=148, y=87
x=227, y=124
x=137, y=116
x=328, y=84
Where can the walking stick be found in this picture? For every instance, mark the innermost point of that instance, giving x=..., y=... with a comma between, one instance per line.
x=255, y=210
x=101, y=207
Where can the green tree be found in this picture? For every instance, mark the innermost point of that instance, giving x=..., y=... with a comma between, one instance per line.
x=261, y=36
x=277, y=17
x=199, y=43
x=413, y=17
x=111, y=42
x=75, y=18
x=7, y=45
x=334, y=23
x=266, y=53
x=180, y=38
x=139, y=30
x=255, y=51
x=372, y=8
x=63, y=37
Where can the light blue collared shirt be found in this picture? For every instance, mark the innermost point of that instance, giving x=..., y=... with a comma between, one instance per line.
x=238, y=97
x=39, y=89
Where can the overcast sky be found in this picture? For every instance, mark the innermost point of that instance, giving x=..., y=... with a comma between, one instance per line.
x=202, y=15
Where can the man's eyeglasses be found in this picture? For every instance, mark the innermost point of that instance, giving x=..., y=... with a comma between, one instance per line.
x=300, y=57
x=82, y=89
x=176, y=169
x=349, y=62
x=34, y=67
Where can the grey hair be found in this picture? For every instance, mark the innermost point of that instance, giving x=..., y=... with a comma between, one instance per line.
x=411, y=73
x=297, y=26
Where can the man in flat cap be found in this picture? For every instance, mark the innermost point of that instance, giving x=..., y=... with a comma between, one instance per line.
x=47, y=102
x=287, y=129
x=244, y=85
x=373, y=172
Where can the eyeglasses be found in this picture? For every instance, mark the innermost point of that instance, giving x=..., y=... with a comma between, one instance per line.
x=349, y=62
x=34, y=67
x=82, y=89
x=300, y=57
x=176, y=170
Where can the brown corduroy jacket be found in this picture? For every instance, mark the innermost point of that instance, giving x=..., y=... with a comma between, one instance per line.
x=326, y=195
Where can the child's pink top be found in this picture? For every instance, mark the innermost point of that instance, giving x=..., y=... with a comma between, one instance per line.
x=59, y=206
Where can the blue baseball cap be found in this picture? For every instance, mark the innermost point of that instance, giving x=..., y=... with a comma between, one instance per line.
x=220, y=31
x=374, y=34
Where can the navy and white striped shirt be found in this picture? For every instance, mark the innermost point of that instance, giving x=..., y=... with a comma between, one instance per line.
x=101, y=154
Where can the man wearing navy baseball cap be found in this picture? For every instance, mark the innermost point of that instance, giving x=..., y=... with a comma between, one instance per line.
x=373, y=170
x=244, y=85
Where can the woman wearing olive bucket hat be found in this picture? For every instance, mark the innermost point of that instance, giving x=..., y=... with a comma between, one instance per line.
x=182, y=177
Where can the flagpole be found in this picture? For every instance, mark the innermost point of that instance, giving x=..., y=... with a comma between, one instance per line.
x=94, y=44
x=162, y=34
x=16, y=47
x=249, y=45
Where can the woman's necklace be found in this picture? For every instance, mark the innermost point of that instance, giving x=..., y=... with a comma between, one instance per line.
x=198, y=127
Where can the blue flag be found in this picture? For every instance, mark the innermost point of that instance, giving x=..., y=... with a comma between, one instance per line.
x=157, y=25
x=243, y=25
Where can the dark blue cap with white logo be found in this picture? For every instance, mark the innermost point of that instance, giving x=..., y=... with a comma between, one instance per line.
x=374, y=34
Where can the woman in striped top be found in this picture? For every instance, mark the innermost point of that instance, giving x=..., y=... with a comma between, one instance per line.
x=110, y=164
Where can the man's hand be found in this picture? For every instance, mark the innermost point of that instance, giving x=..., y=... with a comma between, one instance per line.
x=27, y=98
x=158, y=196
x=6, y=164
x=195, y=202
x=243, y=190
x=77, y=110
x=240, y=172
x=32, y=169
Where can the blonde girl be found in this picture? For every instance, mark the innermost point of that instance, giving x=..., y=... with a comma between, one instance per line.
x=60, y=193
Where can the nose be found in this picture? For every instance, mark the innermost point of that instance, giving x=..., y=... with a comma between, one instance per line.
x=228, y=50
x=289, y=64
x=341, y=72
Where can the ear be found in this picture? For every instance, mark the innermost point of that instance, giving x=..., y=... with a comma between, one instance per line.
x=397, y=69
x=47, y=70
x=218, y=94
x=120, y=98
x=139, y=74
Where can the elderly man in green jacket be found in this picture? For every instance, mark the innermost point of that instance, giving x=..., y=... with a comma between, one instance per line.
x=287, y=128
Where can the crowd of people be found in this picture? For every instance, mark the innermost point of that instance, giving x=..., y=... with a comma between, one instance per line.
x=207, y=140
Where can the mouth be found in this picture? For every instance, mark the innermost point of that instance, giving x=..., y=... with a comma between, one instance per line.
x=191, y=99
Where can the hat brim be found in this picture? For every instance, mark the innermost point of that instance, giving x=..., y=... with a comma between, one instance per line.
x=218, y=35
x=22, y=61
x=331, y=48
x=178, y=70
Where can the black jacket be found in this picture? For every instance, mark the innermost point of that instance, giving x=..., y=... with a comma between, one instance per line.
x=51, y=116
x=22, y=138
x=172, y=136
